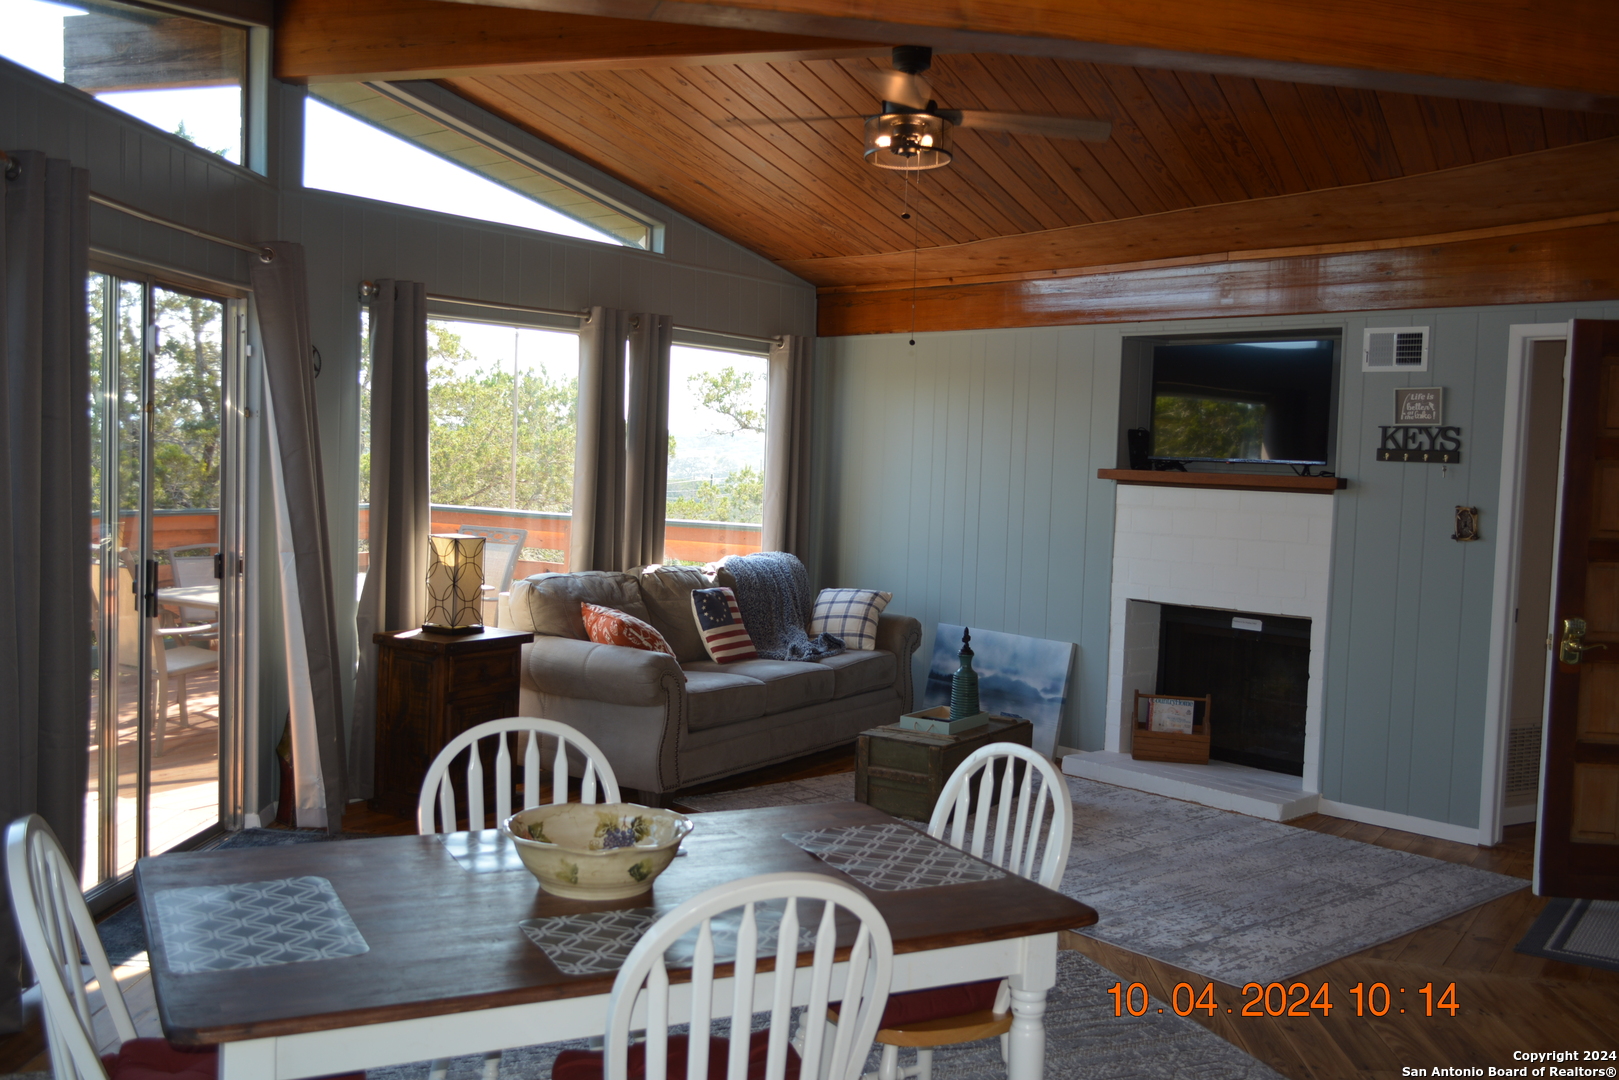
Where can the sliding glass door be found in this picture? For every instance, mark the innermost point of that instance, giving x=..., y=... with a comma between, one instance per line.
x=165, y=490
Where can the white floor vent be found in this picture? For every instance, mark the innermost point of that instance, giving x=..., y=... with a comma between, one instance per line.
x=1395, y=348
x=1523, y=762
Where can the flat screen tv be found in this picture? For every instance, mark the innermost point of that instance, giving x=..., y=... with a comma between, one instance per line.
x=1244, y=402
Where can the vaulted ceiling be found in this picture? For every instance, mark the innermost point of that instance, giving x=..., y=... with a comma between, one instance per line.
x=755, y=130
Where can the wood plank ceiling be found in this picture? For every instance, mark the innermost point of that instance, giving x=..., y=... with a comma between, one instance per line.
x=770, y=155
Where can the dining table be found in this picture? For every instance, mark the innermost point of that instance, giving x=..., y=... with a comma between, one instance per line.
x=309, y=959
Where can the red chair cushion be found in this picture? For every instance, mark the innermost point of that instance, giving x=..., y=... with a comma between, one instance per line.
x=939, y=1003
x=159, y=1059
x=592, y=1064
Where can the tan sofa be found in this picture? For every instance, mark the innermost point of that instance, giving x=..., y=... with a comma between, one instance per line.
x=668, y=723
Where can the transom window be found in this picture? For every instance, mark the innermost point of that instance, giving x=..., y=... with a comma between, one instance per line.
x=184, y=75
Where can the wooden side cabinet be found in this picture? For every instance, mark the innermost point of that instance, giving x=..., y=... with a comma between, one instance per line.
x=430, y=688
x=903, y=772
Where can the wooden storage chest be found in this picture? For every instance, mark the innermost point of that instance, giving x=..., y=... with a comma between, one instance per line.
x=902, y=772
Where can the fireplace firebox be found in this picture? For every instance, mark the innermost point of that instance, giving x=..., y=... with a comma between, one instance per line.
x=1257, y=673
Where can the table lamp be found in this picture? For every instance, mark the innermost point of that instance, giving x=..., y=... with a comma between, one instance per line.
x=454, y=583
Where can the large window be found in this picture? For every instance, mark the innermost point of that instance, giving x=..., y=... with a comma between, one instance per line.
x=502, y=402
x=186, y=76
x=716, y=454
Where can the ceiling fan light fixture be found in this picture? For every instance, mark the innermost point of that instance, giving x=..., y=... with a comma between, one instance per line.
x=910, y=141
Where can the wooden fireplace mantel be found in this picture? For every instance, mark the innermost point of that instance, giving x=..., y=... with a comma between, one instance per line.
x=1312, y=485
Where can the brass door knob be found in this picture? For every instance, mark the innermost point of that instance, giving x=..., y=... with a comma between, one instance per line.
x=1573, y=647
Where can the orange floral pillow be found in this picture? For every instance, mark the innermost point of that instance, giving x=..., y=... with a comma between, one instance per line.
x=606, y=626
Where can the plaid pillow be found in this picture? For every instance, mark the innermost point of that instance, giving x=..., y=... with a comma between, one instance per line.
x=850, y=614
x=719, y=621
x=609, y=626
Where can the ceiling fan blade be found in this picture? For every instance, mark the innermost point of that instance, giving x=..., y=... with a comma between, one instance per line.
x=1052, y=127
x=912, y=91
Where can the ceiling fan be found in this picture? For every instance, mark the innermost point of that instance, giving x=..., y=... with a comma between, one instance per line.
x=913, y=133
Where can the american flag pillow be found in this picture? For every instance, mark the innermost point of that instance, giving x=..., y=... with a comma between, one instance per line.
x=719, y=621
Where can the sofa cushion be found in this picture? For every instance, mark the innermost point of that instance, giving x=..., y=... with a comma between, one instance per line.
x=860, y=670
x=609, y=626
x=849, y=614
x=716, y=697
x=788, y=684
x=549, y=603
x=719, y=624
x=666, y=591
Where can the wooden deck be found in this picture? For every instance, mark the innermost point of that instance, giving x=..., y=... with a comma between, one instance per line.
x=1508, y=1001
x=185, y=777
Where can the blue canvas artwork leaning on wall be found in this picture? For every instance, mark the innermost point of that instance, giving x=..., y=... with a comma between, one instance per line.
x=1017, y=676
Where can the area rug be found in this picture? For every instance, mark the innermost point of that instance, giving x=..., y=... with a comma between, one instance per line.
x=122, y=934
x=1083, y=1038
x=839, y=787
x=1239, y=899
x=1577, y=932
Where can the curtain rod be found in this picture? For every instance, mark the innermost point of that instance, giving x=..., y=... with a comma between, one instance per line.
x=262, y=252
x=729, y=334
x=368, y=292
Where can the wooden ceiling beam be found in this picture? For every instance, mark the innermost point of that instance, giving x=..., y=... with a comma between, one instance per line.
x=1568, y=182
x=358, y=40
x=1551, y=53
x=1557, y=266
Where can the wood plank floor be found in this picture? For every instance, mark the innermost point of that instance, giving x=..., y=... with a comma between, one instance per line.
x=1506, y=1001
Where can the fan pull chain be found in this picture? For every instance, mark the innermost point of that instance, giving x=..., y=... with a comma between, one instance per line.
x=915, y=248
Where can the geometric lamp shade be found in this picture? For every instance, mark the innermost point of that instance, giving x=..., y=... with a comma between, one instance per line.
x=454, y=584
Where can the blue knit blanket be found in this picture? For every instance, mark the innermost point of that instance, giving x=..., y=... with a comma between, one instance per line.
x=773, y=592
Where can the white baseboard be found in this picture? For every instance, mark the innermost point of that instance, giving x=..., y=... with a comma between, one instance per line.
x=1064, y=751
x=256, y=821
x=1519, y=815
x=1442, y=830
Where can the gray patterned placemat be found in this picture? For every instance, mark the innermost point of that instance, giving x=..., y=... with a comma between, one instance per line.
x=253, y=924
x=598, y=941
x=487, y=851
x=892, y=857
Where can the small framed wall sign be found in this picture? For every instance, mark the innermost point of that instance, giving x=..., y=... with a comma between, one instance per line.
x=1419, y=405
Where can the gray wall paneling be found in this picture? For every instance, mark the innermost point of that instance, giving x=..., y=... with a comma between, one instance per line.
x=961, y=475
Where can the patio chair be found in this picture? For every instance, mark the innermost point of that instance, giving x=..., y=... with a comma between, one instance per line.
x=1007, y=832
x=502, y=550
x=731, y=913
x=178, y=663
x=59, y=939
x=195, y=570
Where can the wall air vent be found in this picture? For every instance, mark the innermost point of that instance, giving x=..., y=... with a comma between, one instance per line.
x=1395, y=348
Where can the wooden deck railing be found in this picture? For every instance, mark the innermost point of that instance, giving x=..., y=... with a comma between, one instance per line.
x=684, y=541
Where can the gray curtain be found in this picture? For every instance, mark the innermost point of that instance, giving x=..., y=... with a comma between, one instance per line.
x=596, y=537
x=646, y=478
x=281, y=298
x=395, y=593
x=787, y=446
x=45, y=523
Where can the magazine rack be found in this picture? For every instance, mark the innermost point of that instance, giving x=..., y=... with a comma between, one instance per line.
x=1148, y=745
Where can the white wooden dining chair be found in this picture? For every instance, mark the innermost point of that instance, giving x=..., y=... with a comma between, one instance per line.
x=436, y=806
x=597, y=784
x=642, y=996
x=1027, y=830
x=56, y=931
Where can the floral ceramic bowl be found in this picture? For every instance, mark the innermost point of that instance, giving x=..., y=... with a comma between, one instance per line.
x=601, y=851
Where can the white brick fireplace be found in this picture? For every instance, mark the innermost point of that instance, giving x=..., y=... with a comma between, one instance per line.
x=1249, y=552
